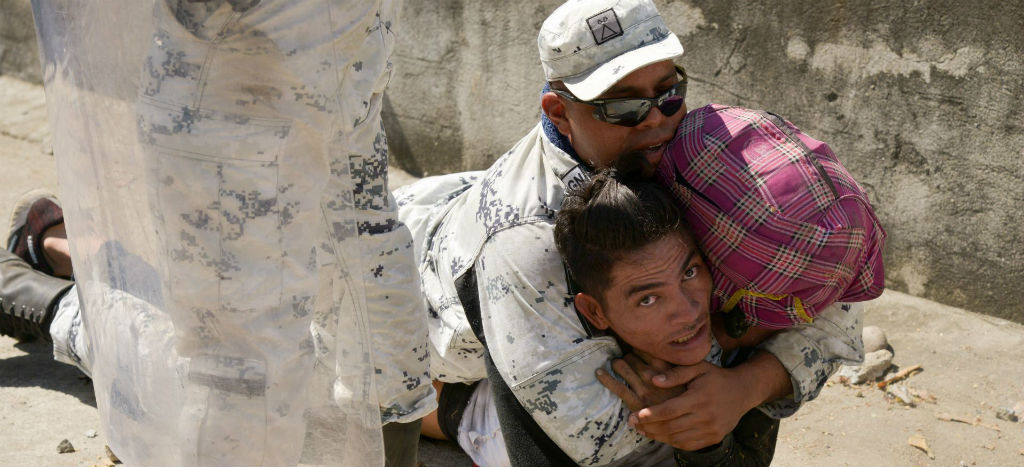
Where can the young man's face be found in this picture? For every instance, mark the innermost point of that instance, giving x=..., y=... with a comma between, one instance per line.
x=658, y=301
x=602, y=143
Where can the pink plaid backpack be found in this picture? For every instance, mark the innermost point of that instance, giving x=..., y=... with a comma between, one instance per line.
x=786, y=229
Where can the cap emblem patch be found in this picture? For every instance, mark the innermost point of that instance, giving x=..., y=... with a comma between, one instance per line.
x=604, y=26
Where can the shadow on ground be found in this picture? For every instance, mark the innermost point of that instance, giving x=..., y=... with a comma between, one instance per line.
x=37, y=369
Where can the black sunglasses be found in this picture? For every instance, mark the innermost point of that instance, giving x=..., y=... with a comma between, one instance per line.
x=631, y=111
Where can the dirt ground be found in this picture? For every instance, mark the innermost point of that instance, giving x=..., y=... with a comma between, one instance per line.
x=969, y=362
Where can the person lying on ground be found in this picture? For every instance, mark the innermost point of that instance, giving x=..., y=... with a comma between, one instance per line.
x=39, y=292
x=38, y=298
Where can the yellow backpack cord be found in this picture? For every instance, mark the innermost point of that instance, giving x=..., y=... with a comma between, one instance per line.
x=739, y=294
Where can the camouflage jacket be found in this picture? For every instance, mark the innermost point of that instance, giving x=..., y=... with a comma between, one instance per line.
x=495, y=228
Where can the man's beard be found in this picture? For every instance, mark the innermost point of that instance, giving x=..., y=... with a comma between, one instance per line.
x=634, y=164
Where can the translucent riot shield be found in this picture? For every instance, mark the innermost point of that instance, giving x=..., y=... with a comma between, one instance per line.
x=203, y=154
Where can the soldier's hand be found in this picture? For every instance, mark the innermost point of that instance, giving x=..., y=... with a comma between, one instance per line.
x=638, y=371
x=714, y=400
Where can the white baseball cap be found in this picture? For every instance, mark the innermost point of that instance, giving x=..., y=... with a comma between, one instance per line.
x=592, y=44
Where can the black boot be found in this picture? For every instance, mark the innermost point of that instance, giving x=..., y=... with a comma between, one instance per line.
x=27, y=298
x=401, y=444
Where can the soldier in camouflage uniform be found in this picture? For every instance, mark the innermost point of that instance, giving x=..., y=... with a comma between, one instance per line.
x=498, y=298
x=287, y=282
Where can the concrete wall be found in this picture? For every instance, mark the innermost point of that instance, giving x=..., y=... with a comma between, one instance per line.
x=922, y=101
x=18, y=56
x=467, y=82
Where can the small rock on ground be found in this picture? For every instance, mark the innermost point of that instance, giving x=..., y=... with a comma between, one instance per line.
x=91, y=434
x=1004, y=413
x=874, y=339
x=875, y=364
x=65, y=447
x=848, y=372
x=900, y=393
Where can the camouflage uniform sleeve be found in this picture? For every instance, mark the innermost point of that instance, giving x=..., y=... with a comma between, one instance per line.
x=542, y=352
x=812, y=353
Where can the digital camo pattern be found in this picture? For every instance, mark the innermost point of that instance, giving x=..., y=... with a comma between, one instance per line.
x=811, y=353
x=69, y=343
x=501, y=228
x=258, y=187
x=494, y=212
x=456, y=355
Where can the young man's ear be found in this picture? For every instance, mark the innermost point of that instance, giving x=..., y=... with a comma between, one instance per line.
x=592, y=310
x=554, y=107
